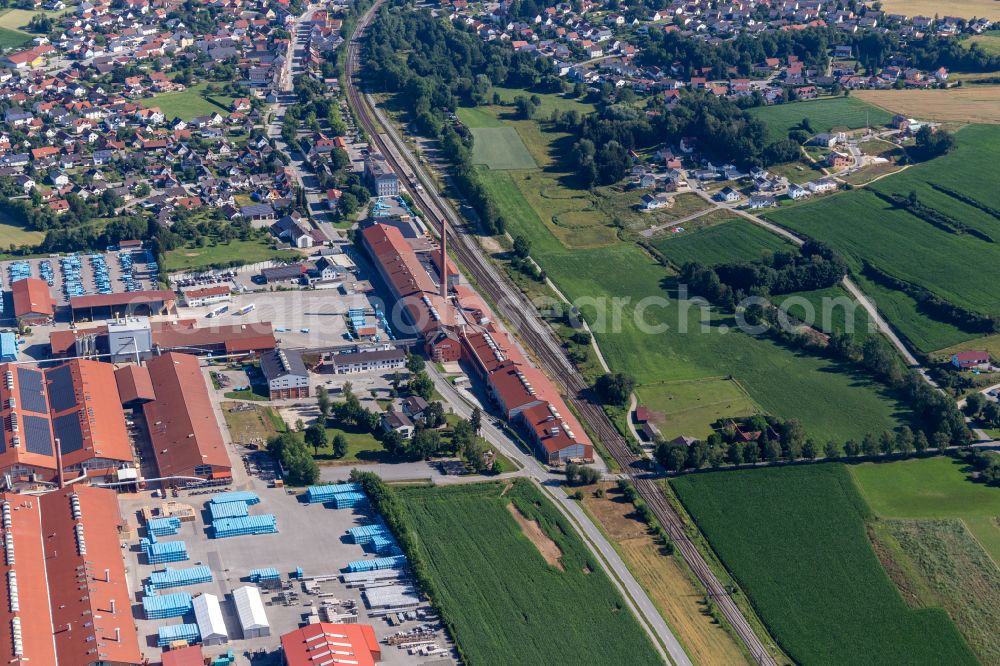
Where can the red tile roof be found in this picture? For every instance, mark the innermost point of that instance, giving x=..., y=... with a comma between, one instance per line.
x=188, y=656
x=122, y=298
x=134, y=384
x=323, y=643
x=181, y=421
x=91, y=606
x=32, y=297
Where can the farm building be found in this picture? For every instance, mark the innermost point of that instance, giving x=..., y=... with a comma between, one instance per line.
x=182, y=425
x=971, y=360
x=32, y=301
x=211, y=624
x=250, y=611
x=356, y=643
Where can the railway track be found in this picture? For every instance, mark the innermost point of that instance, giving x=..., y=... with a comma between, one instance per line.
x=543, y=345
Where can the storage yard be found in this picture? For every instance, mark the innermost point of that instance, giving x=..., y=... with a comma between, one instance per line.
x=84, y=274
x=322, y=561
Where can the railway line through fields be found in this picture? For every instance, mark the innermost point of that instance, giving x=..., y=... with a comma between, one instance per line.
x=542, y=344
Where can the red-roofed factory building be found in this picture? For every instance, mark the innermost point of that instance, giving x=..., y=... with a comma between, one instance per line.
x=457, y=325
x=326, y=643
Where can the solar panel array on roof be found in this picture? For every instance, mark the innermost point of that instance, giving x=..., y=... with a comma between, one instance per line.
x=38, y=437
x=32, y=396
x=68, y=431
x=61, y=395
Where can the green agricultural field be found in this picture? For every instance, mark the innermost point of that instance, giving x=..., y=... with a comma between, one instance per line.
x=834, y=113
x=932, y=488
x=14, y=232
x=586, y=260
x=796, y=541
x=13, y=39
x=938, y=563
x=475, y=118
x=990, y=343
x=234, y=253
x=732, y=241
x=503, y=588
x=500, y=148
x=988, y=41
x=189, y=103
x=830, y=310
x=689, y=408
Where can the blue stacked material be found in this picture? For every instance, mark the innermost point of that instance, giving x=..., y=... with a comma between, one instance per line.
x=316, y=494
x=385, y=545
x=269, y=573
x=163, y=526
x=349, y=500
x=299, y=573
x=377, y=564
x=165, y=551
x=229, y=527
x=178, y=632
x=227, y=510
x=161, y=580
x=244, y=496
x=364, y=533
x=163, y=606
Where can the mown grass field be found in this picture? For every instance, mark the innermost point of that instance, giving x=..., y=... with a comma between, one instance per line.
x=652, y=342
x=938, y=563
x=504, y=601
x=830, y=310
x=664, y=577
x=500, y=148
x=834, y=113
x=689, y=408
x=12, y=39
x=13, y=231
x=189, y=103
x=796, y=541
x=550, y=101
x=932, y=488
x=242, y=252
x=969, y=104
x=731, y=241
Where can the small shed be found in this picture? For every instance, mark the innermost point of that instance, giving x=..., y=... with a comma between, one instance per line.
x=208, y=615
x=250, y=610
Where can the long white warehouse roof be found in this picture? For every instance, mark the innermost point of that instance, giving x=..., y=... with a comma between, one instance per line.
x=250, y=608
x=208, y=615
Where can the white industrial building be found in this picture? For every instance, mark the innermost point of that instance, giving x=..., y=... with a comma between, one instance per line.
x=208, y=615
x=130, y=339
x=250, y=611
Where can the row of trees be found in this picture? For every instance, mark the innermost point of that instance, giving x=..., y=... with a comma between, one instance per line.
x=786, y=441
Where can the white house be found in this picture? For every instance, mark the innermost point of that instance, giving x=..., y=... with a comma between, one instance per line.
x=655, y=201
x=797, y=192
x=729, y=195
x=822, y=185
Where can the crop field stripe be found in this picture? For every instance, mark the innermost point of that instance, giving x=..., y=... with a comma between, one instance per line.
x=505, y=603
x=823, y=115
x=729, y=241
x=795, y=539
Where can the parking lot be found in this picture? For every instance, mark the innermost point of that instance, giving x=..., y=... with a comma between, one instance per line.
x=312, y=537
x=75, y=275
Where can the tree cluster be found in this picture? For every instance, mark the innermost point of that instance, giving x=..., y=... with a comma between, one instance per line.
x=290, y=449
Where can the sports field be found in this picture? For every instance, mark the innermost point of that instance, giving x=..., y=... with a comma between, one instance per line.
x=964, y=8
x=834, y=113
x=516, y=584
x=500, y=148
x=189, y=103
x=969, y=104
x=932, y=488
x=731, y=241
x=796, y=541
